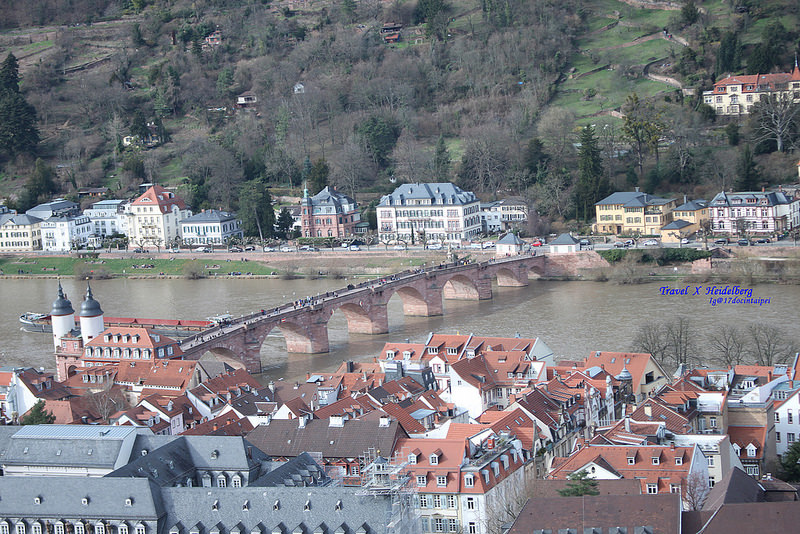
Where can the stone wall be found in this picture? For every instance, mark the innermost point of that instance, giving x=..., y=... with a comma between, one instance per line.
x=574, y=263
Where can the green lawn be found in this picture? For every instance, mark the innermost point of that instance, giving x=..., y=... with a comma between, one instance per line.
x=55, y=265
x=611, y=89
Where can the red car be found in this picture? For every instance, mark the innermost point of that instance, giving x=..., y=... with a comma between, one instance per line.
x=537, y=243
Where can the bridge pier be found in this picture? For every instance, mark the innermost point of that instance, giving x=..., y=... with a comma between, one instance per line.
x=371, y=319
x=462, y=288
x=310, y=338
x=516, y=278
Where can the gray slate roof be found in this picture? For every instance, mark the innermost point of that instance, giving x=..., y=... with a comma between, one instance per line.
x=285, y=438
x=60, y=497
x=692, y=205
x=633, y=199
x=510, y=239
x=58, y=206
x=209, y=216
x=250, y=508
x=61, y=306
x=773, y=198
x=677, y=224
x=89, y=306
x=438, y=193
x=331, y=197
x=299, y=471
x=564, y=239
x=84, y=446
x=22, y=220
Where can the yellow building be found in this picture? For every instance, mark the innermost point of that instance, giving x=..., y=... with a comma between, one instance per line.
x=687, y=220
x=629, y=213
x=736, y=95
x=19, y=233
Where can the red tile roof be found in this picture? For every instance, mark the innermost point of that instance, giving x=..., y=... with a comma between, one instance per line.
x=158, y=196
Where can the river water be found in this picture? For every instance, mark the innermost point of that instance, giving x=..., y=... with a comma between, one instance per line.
x=573, y=318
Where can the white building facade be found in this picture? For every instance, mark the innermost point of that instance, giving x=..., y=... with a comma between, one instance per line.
x=210, y=227
x=154, y=218
x=429, y=212
x=62, y=234
x=108, y=217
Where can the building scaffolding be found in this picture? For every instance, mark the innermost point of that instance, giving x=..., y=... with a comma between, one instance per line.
x=390, y=478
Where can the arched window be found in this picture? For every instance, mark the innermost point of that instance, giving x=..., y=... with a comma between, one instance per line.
x=99, y=528
x=79, y=528
x=59, y=527
x=20, y=528
x=222, y=481
x=36, y=528
x=122, y=528
x=141, y=529
x=236, y=481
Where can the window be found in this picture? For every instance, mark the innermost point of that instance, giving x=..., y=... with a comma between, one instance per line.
x=425, y=524
x=36, y=528
x=441, y=481
x=422, y=480
x=678, y=460
x=790, y=437
x=655, y=460
x=451, y=501
x=469, y=481
x=710, y=461
x=79, y=528
x=99, y=528
x=3, y=528
x=752, y=470
x=222, y=481
x=236, y=482
x=712, y=422
x=20, y=528
x=778, y=437
x=438, y=524
x=777, y=417
x=751, y=451
x=140, y=529
x=472, y=528
x=652, y=489
x=122, y=529
x=631, y=460
x=470, y=503
x=674, y=488
x=412, y=458
x=437, y=501
x=789, y=417
x=423, y=501
x=434, y=459
x=59, y=527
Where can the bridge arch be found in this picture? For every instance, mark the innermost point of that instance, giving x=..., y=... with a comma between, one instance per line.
x=462, y=287
x=415, y=303
x=226, y=355
x=365, y=318
x=507, y=277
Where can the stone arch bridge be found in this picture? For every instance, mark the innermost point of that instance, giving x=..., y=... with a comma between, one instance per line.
x=305, y=325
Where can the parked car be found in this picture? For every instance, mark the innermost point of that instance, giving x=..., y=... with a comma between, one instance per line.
x=202, y=249
x=585, y=242
x=651, y=243
x=743, y=242
x=399, y=247
x=630, y=243
x=235, y=249
x=309, y=248
x=762, y=240
x=249, y=248
x=287, y=248
x=139, y=250
x=536, y=243
x=475, y=245
x=269, y=249
x=620, y=244
x=174, y=250
x=685, y=241
x=721, y=241
x=434, y=246
x=355, y=248
x=488, y=244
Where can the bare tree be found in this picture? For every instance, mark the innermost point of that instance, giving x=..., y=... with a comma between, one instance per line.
x=108, y=402
x=680, y=340
x=651, y=338
x=695, y=491
x=728, y=344
x=777, y=118
x=556, y=126
x=769, y=344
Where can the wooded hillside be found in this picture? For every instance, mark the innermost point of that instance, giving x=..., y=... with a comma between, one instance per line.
x=495, y=95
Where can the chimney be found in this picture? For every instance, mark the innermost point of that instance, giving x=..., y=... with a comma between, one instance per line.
x=349, y=366
x=763, y=188
x=627, y=423
x=271, y=386
x=637, y=189
x=215, y=427
x=383, y=422
x=672, y=445
x=308, y=375
x=336, y=421
x=684, y=199
x=301, y=421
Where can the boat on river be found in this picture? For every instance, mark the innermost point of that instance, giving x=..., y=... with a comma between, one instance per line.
x=42, y=323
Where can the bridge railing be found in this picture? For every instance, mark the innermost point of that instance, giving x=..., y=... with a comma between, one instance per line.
x=293, y=308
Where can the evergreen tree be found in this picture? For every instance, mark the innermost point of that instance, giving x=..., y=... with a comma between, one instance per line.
x=592, y=185
x=535, y=155
x=441, y=161
x=689, y=13
x=284, y=223
x=305, y=172
x=790, y=463
x=747, y=174
x=728, y=54
x=255, y=209
x=18, y=130
x=38, y=416
x=318, y=177
x=579, y=485
x=139, y=126
x=9, y=74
